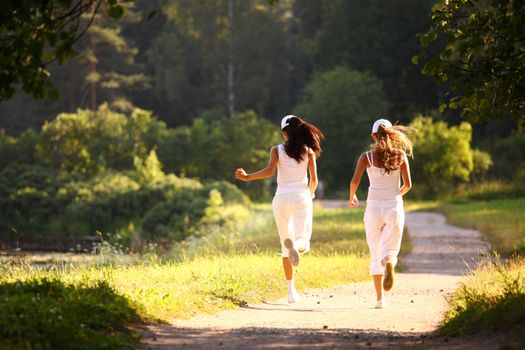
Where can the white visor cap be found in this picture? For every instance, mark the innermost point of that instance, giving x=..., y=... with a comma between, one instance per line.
x=378, y=122
x=285, y=120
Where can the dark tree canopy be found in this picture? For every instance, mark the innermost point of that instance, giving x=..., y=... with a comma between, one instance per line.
x=482, y=60
x=35, y=33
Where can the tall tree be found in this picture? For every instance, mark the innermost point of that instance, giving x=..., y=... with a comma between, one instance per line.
x=371, y=35
x=104, y=70
x=227, y=63
x=343, y=103
x=482, y=62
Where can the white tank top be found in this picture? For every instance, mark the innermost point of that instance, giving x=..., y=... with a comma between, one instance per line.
x=383, y=186
x=291, y=175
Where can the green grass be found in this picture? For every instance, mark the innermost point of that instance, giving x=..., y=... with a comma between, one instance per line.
x=334, y=231
x=501, y=221
x=221, y=270
x=492, y=298
x=47, y=313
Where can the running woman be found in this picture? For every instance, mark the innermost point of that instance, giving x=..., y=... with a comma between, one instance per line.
x=292, y=203
x=385, y=163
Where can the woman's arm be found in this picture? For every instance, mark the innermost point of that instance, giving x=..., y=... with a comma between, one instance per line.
x=407, y=180
x=312, y=170
x=264, y=173
x=362, y=164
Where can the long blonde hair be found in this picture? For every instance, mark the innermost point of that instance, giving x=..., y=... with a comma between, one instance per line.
x=391, y=146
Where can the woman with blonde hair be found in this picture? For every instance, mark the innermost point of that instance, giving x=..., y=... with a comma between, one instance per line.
x=292, y=203
x=386, y=164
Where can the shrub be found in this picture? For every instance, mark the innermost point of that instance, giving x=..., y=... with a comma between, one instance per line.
x=442, y=156
x=89, y=142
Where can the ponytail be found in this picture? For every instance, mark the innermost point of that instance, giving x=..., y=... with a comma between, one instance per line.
x=392, y=144
x=300, y=136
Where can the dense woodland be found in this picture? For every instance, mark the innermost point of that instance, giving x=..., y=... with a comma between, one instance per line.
x=159, y=107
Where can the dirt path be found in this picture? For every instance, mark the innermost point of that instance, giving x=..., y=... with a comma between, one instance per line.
x=343, y=317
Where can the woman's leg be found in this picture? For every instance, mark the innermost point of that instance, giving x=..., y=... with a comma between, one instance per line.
x=281, y=214
x=374, y=230
x=302, y=222
x=378, y=280
x=288, y=269
x=393, y=233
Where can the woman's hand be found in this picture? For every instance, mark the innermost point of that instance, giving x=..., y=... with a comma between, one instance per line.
x=241, y=174
x=353, y=202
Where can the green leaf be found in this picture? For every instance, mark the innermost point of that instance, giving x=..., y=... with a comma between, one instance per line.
x=415, y=59
x=442, y=107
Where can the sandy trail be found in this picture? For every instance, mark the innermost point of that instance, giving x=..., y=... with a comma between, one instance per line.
x=343, y=317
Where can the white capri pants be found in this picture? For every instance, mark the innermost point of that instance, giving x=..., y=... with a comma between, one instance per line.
x=384, y=221
x=293, y=216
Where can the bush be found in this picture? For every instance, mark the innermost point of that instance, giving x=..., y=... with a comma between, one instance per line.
x=212, y=149
x=509, y=158
x=99, y=171
x=442, y=156
x=89, y=142
x=230, y=193
x=175, y=219
x=189, y=209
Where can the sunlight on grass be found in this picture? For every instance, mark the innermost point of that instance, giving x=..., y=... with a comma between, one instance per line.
x=492, y=298
x=221, y=270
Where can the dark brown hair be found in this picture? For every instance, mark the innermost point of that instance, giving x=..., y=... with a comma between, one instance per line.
x=301, y=135
x=391, y=146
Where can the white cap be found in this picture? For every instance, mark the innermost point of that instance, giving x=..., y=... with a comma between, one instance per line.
x=285, y=120
x=378, y=122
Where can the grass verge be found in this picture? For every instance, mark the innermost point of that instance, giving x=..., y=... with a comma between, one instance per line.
x=48, y=313
x=492, y=298
x=501, y=221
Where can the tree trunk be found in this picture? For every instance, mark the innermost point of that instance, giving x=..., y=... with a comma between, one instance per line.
x=93, y=68
x=231, y=68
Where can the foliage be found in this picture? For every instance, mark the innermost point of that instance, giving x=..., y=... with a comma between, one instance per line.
x=193, y=55
x=50, y=313
x=374, y=36
x=481, y=163
x=35, y=33
x=89, y=142
x=343, y=103
x=509, y=159
x=442, y=156
x=107, y=65
x=492, y=298
x=482, y=61
x=212, y=149
x=38, y=201
x=18, y=150
x=98, y=171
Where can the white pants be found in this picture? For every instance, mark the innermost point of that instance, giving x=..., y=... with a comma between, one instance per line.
x=293, y=216
x=384, y=222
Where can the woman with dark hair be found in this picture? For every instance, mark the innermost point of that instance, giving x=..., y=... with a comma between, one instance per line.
x=292, y=204
x=386, y=163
